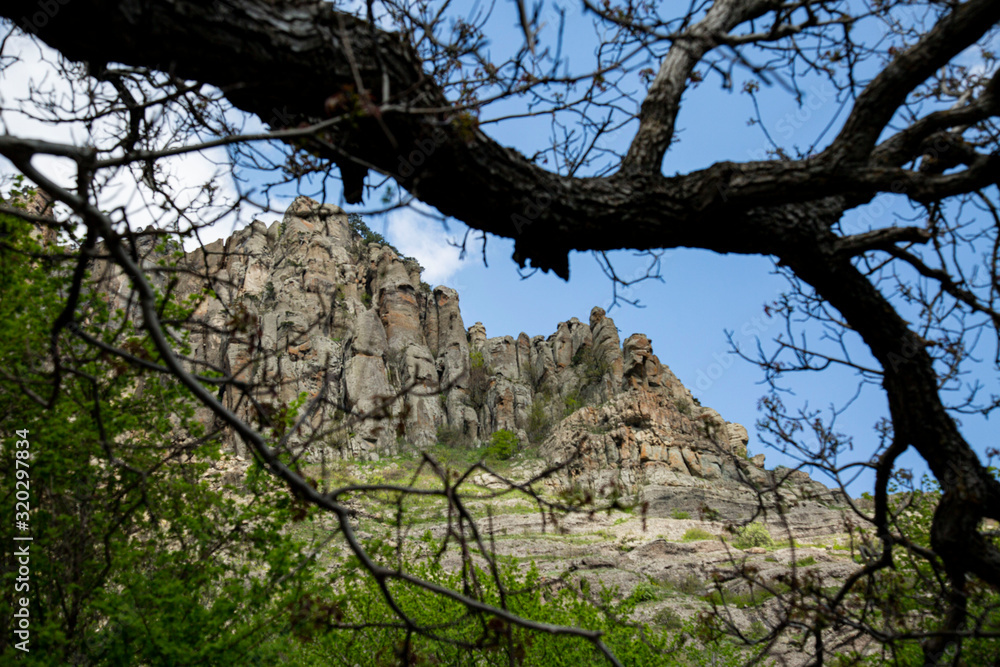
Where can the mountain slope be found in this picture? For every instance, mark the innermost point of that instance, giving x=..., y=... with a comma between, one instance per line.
x=315, y=305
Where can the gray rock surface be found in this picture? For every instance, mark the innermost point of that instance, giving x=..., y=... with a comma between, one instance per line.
x=306, y=308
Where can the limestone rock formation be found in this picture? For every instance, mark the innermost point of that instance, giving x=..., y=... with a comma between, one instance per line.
x=308, y=307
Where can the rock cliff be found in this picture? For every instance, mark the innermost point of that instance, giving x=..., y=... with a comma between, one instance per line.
x=316, y=305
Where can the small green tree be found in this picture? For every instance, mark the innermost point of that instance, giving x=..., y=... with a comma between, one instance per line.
x=358, y=225
x=479, y=379
x=134, y=557
x=752, y=535
x=539, y=422
x=495, y=642
x=903, y=602
x=503, y=445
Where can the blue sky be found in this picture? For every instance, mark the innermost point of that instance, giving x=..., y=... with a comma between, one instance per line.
x=702, y=295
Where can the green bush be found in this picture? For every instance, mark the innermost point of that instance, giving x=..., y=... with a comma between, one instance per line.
x=689, y=584
x=907, y=598
x=679, y=514
x=503, y=445
x=135, y=558
x=358, y=225
x=452, y=437
x=752, y=535
x=696, y=534
x=709, y=513
x=539, y=423
x=573, y=402
x=752, y=598
x=592, y=365
x=669, y=619
x=479, y=379
x=646, y=592
x=372, y=633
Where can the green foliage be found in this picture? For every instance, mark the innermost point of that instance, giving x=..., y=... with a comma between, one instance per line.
x=805, y=562
x=572, y=403
x=669, y=619
x=696, y=534
x=683, y=407
x=479, y=379
x=752, y=535
x=495, y=642
x=646, y=592
x=539, y=422
x=134, y=558
x=688, y=584
x=709, y=513
x=137, y=560
x=452, y=437
x=358, y=226
x=906, y=599
x=752, y=598
x=679, y=514
x=503, y=445
x=708, y=427
x=591, y=364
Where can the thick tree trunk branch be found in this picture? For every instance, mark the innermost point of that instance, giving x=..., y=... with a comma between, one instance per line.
x=879, y=101
x=919, y=419
x=662, y=104
x=282, y=61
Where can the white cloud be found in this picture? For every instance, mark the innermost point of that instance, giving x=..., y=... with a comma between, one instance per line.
x=30, y=72
x=426, y=239
x=30, y=65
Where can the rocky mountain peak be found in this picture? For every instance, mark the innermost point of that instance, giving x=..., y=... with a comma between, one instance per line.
x=317, y=304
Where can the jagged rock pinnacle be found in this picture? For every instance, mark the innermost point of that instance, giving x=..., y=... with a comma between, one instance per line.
x=310, y=305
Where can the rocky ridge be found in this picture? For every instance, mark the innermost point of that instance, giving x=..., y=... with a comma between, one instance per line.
x=315, y=304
